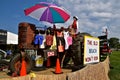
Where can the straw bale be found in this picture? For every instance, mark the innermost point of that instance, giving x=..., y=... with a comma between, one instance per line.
x=22, y=78
x=6, y=79
x=18, y=78
x=97, y=71
x=91, y=72
x=106, y=64
x=51, y=77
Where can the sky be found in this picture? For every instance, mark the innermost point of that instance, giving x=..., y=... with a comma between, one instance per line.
x=93, y=15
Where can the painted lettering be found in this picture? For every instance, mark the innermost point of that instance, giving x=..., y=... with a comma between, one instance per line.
x=92, y=50
x=89, y=42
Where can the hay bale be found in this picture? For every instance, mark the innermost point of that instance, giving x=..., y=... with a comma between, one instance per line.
x=106, y=64
x=51, y=77
x=17, y=78
x=21, y=78
x=91, y=72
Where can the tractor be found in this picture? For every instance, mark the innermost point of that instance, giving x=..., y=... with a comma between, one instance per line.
x=26, y=36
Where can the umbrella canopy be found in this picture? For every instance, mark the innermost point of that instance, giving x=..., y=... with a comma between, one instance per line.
x=47, y=12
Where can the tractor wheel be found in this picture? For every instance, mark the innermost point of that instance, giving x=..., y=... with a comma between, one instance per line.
x=15, y=63
x=3, y=65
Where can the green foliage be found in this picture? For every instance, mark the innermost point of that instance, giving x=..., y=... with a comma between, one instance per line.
x=114, y=73
x=114, y=43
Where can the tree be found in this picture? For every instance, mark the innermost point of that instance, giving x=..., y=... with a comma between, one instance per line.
x=118, y=47
x=114, y=42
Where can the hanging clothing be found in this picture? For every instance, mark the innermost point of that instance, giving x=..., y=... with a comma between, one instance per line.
x=66, y=35
x=42, y=46
x=75, y=26
x=59, y=34
x=60, y=47
x=49, y=31
x=49, y=40
x=54, y=45
x=60, y=37
x=38, y=39
x=60, y=41
x=69, y=40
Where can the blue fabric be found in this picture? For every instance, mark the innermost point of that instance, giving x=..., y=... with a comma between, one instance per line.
x=9, y=52
x=38, y=39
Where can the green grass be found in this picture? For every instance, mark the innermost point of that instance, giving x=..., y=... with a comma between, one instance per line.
x=114, y=73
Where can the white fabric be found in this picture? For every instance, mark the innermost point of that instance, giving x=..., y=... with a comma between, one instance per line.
x=66, y=35
x=77, y=27
x=42, y=46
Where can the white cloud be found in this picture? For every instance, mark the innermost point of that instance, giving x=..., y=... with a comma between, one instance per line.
x=95, y=14
x=101, y=14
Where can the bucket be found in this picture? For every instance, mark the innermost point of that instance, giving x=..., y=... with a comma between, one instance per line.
x=39, y=61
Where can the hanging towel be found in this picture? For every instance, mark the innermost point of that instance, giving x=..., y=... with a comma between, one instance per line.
x=53, y=46
x=38, y=39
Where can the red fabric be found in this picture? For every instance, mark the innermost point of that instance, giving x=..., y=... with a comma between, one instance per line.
x=49, y=40
x=60, y=47
x=74, y=25
x=59, y=34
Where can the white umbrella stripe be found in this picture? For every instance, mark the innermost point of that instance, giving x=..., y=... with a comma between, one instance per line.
x=37, y=13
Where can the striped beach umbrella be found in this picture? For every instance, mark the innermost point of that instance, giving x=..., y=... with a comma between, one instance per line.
x=48, y=12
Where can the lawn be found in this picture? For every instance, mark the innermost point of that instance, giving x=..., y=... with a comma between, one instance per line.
x=114, y=73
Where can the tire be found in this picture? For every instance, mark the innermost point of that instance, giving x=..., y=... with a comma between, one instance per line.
x=3, y=65
x=15, y=63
